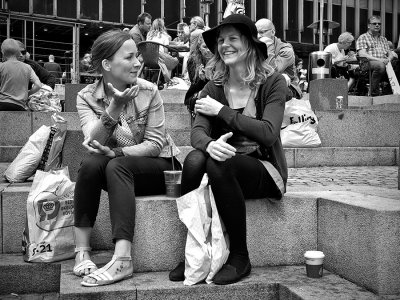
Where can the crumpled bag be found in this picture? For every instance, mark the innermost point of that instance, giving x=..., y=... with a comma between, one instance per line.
x=45, y=100
x=49, y=224
x=42, y=149
x=299, y=125
x=207, y=244
x=300, y=135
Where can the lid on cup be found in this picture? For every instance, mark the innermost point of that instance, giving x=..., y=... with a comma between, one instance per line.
x=314, y=254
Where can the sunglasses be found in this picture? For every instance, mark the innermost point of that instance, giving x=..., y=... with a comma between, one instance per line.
x=375, y=24
x=264, y=31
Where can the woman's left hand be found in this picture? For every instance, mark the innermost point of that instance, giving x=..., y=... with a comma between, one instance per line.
x=208, y=106
x=94, y=146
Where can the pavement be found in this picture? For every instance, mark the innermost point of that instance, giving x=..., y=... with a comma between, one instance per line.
x=325, y=178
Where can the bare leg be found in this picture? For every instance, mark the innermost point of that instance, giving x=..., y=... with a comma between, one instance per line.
x=82, y=237
x=119, y=269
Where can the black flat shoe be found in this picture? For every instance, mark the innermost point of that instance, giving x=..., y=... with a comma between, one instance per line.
x=178, y=274
x=228, y=274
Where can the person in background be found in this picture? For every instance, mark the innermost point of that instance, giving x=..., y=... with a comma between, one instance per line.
x=45, y=76
x=281, y=55
x=198, y=59
x=54, y=68
x=15, y=77
x=340, y=67
x=375, y=47
x=158, y=33
x=301, y=74
x=236, y=135
x=196, y=27
x=126, y=154
x=182, y=39
x=142, y=27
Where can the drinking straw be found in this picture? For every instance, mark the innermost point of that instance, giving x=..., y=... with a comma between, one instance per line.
x=172, y=155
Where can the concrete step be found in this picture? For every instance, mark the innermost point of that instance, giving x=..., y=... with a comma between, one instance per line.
x=295, y=157
x=358, y=232
x=270, y=283
x=336, y=128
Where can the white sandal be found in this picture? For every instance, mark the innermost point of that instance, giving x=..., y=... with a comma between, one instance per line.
x=84, y=264
x=102, y=276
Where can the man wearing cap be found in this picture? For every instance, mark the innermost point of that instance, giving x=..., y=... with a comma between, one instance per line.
x=375, y=47
x=280, y=55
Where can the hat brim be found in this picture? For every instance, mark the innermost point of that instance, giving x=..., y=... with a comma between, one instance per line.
x=210, y=38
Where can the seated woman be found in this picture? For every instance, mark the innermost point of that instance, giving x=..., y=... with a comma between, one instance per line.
x=340, y=67
x=158, y=33
x=236, y=135
x=199, y=57
x=123, y=121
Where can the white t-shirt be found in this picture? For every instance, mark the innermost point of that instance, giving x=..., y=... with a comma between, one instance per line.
x=164, y=39
x=337, y=55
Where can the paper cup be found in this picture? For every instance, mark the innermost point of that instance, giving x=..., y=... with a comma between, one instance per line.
x=314, y=263
x=173, y=183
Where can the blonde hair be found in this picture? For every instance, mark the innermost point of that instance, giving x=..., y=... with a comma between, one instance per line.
x=257, y=68
x=10, y=48
x=157, y=28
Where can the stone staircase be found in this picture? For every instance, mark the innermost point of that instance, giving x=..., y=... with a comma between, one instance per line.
x=357, y=230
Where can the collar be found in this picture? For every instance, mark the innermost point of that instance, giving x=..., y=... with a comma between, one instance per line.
x=99, y=93
x=378, y=36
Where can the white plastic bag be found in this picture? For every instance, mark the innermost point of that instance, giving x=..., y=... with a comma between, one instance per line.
x=49, y=225
x=45, y=100
x=205, y=253
x=33, y=153
x=300, y=135
x=299, y=125
x=297, y=111
x=394, y=83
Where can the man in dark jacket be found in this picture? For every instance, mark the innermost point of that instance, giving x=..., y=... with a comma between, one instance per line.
x=44, y=75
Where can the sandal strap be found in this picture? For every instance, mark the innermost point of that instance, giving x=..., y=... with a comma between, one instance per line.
x=86, y=264
x=124, y=258
x=81, y=249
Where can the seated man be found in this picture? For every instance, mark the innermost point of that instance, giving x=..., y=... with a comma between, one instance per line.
x=340, y=67
x=375, y=47
x=280, y=55
x=182, y=39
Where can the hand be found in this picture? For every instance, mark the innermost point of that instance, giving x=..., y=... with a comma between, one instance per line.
x=122, y=98
x=220, y=150
x=208, y=106
x=94, y=146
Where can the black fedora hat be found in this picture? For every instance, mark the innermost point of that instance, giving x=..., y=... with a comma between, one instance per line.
x=246, y=27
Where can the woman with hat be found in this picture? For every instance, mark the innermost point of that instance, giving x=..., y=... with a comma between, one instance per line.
x=236, y=135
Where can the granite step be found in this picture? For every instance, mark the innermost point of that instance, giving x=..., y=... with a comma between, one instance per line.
x=56, y=281
x=357, y=231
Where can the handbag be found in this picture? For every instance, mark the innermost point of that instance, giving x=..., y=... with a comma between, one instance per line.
x=207, y=243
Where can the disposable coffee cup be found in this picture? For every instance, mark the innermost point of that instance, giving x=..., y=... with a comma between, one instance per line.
x=314, y=263
x=173, y=183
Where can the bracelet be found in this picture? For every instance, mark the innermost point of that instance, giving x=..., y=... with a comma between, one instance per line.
x=118, y=152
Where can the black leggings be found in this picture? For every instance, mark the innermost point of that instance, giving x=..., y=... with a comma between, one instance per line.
x=5, y=106
x=123, y=178
x=234, y=180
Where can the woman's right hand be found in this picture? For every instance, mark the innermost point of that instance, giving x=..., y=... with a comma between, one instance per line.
x=122, y=98
x=220, y=150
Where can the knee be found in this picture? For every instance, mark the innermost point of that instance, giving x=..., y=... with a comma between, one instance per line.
x=115, y=165
x=379, y=67
x=92, y=165
x=195, y=160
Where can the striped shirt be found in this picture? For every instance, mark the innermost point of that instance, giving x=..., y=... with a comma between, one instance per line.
x=376, y=46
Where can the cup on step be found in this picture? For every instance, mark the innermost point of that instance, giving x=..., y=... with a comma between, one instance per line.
x=314, y=263
x=173, y=183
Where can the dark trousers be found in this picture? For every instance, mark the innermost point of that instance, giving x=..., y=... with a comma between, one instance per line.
x=123, y=178
x=232, y=181
x=5, y=106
